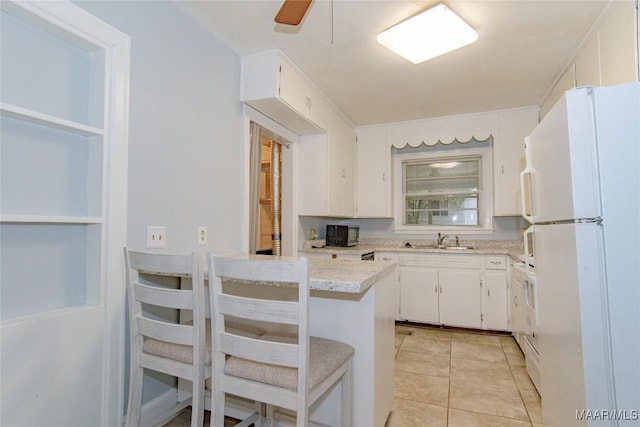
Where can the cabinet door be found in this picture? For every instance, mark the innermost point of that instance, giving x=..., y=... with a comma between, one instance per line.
x=313, y=161
x=460, y=298
x=509, y=159
x=373, y=173
x=618, y=49
x=318, y=108
x=497, y=316
x=419, y=295
x=293, y=88
x=340, y=177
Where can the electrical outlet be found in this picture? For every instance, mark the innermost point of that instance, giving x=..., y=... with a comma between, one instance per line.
x=202, y=235
x=156, y=237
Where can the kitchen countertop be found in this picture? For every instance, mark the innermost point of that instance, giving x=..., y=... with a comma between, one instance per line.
x=333, y=275
x=338, y=275
x=511, y=248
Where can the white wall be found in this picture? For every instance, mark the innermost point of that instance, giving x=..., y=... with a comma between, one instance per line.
x=186, y=146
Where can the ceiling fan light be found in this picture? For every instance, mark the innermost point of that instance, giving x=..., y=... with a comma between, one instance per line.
x=427, y=35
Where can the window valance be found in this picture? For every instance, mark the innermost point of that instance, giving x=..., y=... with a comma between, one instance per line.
x=455, y=129
x=431, y=143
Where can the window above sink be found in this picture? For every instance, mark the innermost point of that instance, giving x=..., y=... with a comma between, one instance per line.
x=443, y=189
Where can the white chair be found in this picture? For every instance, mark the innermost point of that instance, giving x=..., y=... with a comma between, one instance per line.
x=179, y=350
x=285, y=371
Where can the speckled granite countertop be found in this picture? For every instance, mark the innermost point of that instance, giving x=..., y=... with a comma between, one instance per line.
x=338, y=275
x=346, y=275
x=333, y=275
x=512, y=248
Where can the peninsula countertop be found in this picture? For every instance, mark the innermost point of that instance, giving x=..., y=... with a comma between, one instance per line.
x=339, y=275
x=334, y=275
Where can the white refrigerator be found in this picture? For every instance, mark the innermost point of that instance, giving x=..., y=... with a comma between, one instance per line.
x=581, y=191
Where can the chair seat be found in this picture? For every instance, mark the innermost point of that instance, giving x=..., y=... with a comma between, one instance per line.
x=184, y=353
x=325, y=356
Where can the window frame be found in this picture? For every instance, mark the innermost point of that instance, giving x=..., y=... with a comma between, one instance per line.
x=485, y=199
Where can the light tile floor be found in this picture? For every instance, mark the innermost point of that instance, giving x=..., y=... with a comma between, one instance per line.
x=451, y=378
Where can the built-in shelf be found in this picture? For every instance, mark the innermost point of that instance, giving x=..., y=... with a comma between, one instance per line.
x=30, y=116
x=50, y=219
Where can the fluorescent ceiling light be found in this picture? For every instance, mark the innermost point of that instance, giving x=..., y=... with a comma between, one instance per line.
x=427, y=35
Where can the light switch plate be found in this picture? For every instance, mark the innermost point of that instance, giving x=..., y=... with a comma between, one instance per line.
x=156, y=237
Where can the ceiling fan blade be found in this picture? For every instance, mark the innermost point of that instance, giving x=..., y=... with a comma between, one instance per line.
x=292, y=11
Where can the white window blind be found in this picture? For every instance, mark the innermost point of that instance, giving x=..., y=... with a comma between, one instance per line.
x=442, y=191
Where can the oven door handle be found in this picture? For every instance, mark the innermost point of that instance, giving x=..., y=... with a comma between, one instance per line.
x=527, y=255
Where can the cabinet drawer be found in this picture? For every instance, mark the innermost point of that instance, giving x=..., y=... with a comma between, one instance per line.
x=495, y=262
x=440, y=261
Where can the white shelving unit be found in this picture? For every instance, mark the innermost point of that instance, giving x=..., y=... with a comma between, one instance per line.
x=63, y=154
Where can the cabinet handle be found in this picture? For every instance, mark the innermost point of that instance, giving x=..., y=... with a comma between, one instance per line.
x=440, y=289
x=436, y=289
x=488, y=292
x=384, y=176
x=515, y=300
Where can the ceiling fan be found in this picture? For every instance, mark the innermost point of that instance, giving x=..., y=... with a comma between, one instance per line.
x=292, y=11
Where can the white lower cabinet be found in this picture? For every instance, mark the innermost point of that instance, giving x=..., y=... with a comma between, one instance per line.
x=497, y=292
x=460, y=298
x=419, y=295
x=497, y=301
x=455, y=290
x=441, y=289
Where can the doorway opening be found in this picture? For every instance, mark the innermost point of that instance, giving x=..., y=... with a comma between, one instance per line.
x=268, y=195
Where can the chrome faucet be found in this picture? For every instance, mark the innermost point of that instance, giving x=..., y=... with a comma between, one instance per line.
x=441, y=239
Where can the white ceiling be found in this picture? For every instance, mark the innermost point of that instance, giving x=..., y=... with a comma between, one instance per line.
x=521, y=49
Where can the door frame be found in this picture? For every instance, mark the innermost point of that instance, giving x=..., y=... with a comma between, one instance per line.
x=290, y=187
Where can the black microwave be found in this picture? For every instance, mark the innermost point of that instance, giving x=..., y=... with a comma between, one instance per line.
x=342, y=235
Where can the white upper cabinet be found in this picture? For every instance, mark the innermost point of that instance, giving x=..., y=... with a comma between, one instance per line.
x=326, y=165
x=273, y=85
x=508, y=159
x=608, y=56
x=373, y=173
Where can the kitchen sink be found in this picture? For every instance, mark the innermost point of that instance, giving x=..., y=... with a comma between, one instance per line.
x=453, y=248
x=459, y=248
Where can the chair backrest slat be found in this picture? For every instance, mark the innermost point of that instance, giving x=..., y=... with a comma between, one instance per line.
x=275, y=353
x=163, y=297
x=160, y=263
x=258, y=269
x=285, y=312
x=163, y=331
